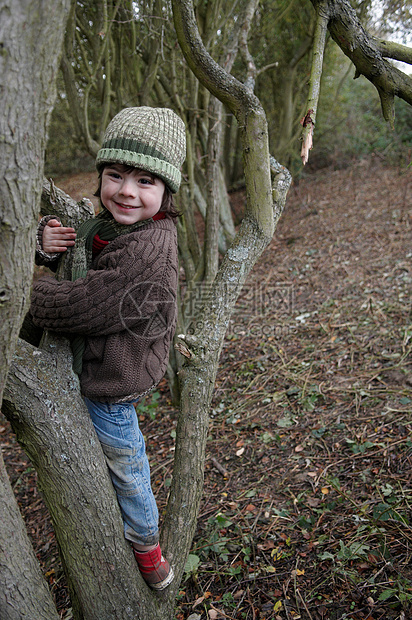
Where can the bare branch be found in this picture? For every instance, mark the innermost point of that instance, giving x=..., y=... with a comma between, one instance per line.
x=221, y=84
x=251, y=71
x=367, y=56
x=396, y=51
x=55, y=201
x=271, y=65
x=309, y=120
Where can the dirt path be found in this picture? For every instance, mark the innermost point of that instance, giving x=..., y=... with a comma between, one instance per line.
x=307, y=504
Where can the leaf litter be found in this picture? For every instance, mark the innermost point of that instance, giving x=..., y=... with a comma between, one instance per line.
x=307, y=502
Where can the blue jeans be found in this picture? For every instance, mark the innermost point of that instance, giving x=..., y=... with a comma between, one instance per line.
x=123, y=445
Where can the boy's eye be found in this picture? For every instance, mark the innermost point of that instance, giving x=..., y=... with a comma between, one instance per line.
x=114, y=175
x=146, y=181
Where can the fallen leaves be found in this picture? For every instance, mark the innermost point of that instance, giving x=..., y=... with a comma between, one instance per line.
x=297, y=573
x=200, y=600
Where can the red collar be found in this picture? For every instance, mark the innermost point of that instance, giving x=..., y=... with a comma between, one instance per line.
x=100, y=244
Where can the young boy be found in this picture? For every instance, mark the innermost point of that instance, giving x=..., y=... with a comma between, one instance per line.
x=120, y=306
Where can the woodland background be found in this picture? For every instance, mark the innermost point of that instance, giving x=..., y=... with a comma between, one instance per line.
x=349, y=122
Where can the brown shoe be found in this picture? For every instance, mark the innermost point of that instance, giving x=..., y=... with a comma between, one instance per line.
x=155, y=569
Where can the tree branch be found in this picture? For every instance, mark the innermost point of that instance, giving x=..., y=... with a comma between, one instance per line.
x=309, y=120
x=366, y=55
x=246, y=107
x=396, y=51
x=55, y=201
x=221, y=84
x=251, y=71
x=202, y=349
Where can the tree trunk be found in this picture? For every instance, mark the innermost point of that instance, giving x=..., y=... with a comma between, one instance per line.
x=202, y=349
x=31, y=33
x=31, y=36
x=43, y=403
x=24, y=592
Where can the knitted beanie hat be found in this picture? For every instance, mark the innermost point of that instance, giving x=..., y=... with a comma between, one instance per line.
x=152, y=139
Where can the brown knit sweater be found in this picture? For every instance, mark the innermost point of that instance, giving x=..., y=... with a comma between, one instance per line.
x=126, y=309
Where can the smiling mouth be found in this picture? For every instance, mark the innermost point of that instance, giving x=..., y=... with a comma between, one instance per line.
x=126, y=206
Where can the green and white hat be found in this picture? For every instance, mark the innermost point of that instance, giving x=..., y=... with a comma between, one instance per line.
x=151, y=139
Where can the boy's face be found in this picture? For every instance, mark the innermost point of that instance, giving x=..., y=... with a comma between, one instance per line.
x=131, y=195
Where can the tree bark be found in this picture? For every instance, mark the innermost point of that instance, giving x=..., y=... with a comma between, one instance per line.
x=367, y=55
x=43, y=403
x=23, y=592
x=31, y=34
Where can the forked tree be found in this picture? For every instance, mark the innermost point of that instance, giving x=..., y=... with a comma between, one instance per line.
x=42, y=398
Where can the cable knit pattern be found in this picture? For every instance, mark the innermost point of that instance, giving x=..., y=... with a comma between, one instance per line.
x=126, y=309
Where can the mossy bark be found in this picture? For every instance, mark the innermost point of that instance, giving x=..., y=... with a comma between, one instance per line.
x=31, y=34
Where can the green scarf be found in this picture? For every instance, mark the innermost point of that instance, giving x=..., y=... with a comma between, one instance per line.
x=108, y=229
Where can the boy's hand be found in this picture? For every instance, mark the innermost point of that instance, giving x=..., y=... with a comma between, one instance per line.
x=57, y=238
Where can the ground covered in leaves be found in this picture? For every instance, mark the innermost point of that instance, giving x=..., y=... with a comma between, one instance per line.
x=308, y=482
